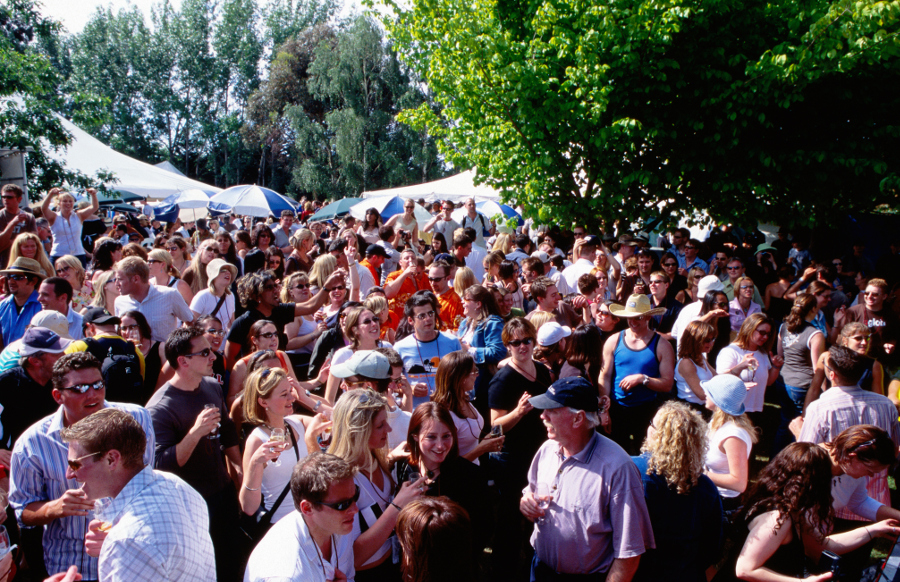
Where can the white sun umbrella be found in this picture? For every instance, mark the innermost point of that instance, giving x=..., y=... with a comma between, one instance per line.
x=193, y=198
x=251, y=200
x=388, y=206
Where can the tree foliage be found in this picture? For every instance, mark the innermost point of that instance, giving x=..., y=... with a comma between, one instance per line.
x=29, y=95
x=629, y=108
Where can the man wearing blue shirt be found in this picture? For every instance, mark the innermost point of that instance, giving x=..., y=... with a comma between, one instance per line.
x=16, y=311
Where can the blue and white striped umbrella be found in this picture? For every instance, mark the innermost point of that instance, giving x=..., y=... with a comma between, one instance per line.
x=251, y=200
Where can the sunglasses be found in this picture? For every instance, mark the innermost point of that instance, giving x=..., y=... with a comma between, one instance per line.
x=300, y=286
x=337, y=288
x=213, y=331
x=150, y=262
x=76, y=464
x=860, y=338
x=18, y=277
x=521, y=342
x=745, y=287
x=657, y=282
x=670, y=264
x=61, y=270
x=173, y=249
x=370, y=321
x=268, y=334
x=424, y=316
x=690, y=247
x=343, y=505
x=436, y=279
x=733, y=268
x=82, y=388
x=721, y=303
x=202, y=353
x=763, y=333
x=9, y=197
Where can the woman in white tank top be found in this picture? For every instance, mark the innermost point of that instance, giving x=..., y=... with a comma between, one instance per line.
x=66, y=226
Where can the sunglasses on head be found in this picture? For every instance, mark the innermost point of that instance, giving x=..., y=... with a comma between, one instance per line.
x=343, y=505
x=520, y=342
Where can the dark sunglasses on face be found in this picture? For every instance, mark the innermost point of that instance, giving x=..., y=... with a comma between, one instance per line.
x=76, y=464
x=721, y=303
x=670, y=264
x=213, y=331
x=520, y=342
x=370, y=321
x=435, y=279
x=337, y=288
x=345, y=504
x=733, y=268
x=300, y=286
x=82, y=388
x=268, y=334
x=17, y=277
x=204, y=353
x=173, y=249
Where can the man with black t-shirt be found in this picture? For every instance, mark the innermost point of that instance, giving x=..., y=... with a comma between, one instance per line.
x=881, y=321
x=258, y=293
x=196, y=440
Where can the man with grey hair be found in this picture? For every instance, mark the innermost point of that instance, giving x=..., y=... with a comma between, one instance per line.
x=314, y=540
x=591, y=509
x=156, y=527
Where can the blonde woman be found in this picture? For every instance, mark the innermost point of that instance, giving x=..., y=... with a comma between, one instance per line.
x=217, y=299
x=360, y=434
x=464, y=279
x=28, y=245
x=303, y=332
x=195, y=274
x=502, y=244
x=106, y=292
x=69, y=268
x=731, y=436
x=164, y=274
x=363, y=329
x=491, y=266
x=683, y=504
x=379, y=306
x=66, y=226
x=322, y=268
x=268, y=405
x=301, y=242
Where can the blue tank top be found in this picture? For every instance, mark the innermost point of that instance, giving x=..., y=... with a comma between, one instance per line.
x=627, y=362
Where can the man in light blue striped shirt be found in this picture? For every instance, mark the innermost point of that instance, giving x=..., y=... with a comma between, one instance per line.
x=40, y=491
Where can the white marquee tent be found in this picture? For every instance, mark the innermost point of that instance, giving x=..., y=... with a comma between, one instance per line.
x=88, y=155
x=456, y=188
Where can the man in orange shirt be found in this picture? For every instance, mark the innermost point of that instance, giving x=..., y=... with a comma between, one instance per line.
x=375, y=256
x=402, y=283
x=451, y=314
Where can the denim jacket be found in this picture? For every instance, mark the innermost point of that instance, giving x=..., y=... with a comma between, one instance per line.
x=487, y=343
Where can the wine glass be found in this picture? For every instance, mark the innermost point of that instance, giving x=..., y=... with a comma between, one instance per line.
x=277, y=436
x=543, y=497
x=214, y=433
x=496, y=431
x=101, y=507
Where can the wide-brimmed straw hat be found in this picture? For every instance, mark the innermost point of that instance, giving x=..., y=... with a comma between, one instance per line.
x=25, y=266
x=636, y=306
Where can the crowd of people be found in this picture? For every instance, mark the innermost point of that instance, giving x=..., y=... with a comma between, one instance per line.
x=386, y=400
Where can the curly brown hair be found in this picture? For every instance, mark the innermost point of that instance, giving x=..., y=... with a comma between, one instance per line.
x=678, y=447
x=796, y=484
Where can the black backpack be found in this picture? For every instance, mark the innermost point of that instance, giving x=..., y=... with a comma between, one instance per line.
x=120, y=366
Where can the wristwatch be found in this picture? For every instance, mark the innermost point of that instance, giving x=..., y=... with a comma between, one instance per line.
x=646, y=380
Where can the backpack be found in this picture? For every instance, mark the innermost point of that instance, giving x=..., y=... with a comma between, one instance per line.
x=120, y=370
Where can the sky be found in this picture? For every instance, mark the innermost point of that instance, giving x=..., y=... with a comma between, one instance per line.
x=75, y=14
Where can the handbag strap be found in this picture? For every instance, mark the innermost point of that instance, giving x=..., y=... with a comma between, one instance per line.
x=219, y=304
x=267, y=518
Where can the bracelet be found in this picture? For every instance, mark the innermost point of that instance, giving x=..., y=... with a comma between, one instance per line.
x=249, y=489
x=868, y=532
x=317, y=406
x=397, y=506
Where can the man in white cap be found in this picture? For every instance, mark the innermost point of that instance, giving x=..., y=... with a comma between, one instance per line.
x=637, y=366
x=25, y=395
x=691, y=311
x=52, y=320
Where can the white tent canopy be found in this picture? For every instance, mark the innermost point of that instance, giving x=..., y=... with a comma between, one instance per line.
x=88, y=155
x=456, y=188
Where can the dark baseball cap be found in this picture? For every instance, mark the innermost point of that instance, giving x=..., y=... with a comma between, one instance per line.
x=376, y=250
x=574, y=392
x=100, y=316
x=592, y=241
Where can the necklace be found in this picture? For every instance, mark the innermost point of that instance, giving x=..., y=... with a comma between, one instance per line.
x=528, y=376
x=436, y=343
x=321, y=558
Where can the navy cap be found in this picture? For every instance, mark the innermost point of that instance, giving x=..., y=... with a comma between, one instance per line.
x=446, y=257
x=592, y=241
x=376, y=250
x=574, y=392
x=41, y=339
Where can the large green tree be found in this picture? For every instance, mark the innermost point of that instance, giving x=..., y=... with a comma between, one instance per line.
x=622, y=109
x=29, y=96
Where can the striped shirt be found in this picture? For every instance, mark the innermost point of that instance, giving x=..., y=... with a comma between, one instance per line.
x=160, y=532
x=838, y=409
x=38, y=473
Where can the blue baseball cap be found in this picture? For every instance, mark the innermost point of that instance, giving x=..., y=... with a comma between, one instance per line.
x=574, y=392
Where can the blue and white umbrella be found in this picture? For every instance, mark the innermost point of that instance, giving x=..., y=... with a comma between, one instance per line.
x=251, y=200
x=334, y=209
x=490, y=209
x=193, y=198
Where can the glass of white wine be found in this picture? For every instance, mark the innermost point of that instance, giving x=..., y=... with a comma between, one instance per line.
x=543, y=497
x=277, y=436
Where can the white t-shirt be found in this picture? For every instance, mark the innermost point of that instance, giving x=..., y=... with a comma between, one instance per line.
x=730, y=356
x=684, y=390
x=399, y=423
x=204, y=302
x=467, y=432
x=716, y=460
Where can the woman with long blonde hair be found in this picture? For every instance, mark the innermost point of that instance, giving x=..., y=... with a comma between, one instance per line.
x=69, y=268
x=359, y=436
x=322, y=268
x=195, y=275
x=464, y=279
x=28, y=245
x=105, y=292
x=164, y=273
x=683, y=503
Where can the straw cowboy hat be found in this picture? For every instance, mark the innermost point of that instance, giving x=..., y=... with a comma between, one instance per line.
x=636, y=306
